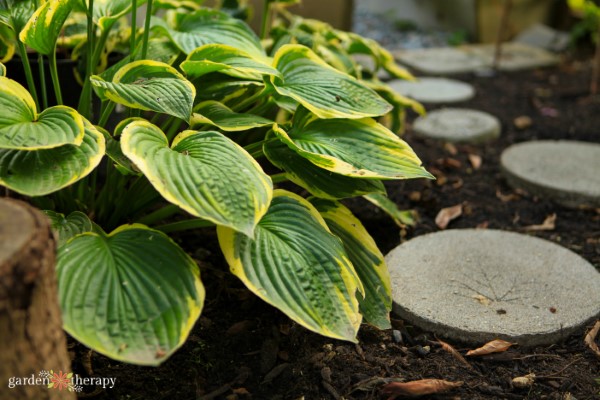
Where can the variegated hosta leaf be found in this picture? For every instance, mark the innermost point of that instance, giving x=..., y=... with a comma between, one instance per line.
x=15, y=14
x=40, y=172
x=152, y=86
x=325, y=91
x=359, y=148
x=298, y=266
x=114, y=152
x=158, y=50
x=396, y=98
x=368, y=261
x=7, y=46
x=106, y=12
x=318, y=181
x=66, y=227
x=22, y=128
x=224, y=88
x=227, y=60
x=2, y=70
x=204, y=173
x=132, y=295
x=175, y=4
x=192, y=30
x=44, y=27
x=402, y=218
x=219, y=115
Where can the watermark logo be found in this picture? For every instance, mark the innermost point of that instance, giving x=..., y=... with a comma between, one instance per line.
x=61, y=381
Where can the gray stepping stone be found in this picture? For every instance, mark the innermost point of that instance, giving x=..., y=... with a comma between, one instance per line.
x=479, y=285
x=463, y=59
x=458, y=125
x=567, y=172
x=434, y=90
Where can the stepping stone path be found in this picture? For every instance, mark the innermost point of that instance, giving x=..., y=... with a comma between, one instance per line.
x=458, y=125
x=434, y=90
x=567, y=172
x=479, y=285
x=464, y=59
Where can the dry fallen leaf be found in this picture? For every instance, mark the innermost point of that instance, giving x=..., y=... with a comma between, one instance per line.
x=475, y=161
x=524, y=381
x=454, y=353
x=523, y=122
x=590, y=338
x=506, y=197
x=482, y=299
x=448, y=214
x=419, y=388
x=548, y=225
x=495, y=346
x=450, y=148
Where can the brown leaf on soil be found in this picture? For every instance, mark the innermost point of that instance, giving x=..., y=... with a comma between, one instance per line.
x=475, y=161
x=590, y=338
x=495, y=346
x=454, y=353
x=419, y=388
x=523, y=122
x=505, y=198
x=548, y=225
x=450, y=148
x=448, y=214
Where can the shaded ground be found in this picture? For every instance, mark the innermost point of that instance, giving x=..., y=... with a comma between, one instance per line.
x=242, y=348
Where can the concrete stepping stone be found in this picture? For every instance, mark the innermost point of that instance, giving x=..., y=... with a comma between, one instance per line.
x=567, y=172
x=479, y=285
x=458, y=125
x=470, y=58
x=434, y=90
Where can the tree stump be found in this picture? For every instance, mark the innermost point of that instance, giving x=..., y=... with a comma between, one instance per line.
x=30, y=321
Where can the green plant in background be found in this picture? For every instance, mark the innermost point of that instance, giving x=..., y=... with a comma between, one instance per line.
x=210, y=109
x=589, y=12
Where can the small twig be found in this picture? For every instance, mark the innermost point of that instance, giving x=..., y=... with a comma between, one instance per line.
x=555, y=374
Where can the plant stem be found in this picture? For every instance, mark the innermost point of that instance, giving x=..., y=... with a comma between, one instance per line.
x=251, y=100
x=133, y=29
x=265, y=18
x=110, y=107
x=184, y=225
x=501, y=33
x=28, y=73
x=278, y=178
x=146, y=28
x=43, y=80
x=85, y=98
x=54, y=75
x=252, y=147
x=85, y=102
x=159, y=214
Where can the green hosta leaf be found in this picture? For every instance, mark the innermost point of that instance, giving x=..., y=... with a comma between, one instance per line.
x=158, y=50
x=298, y=266
x=360, y=148
x=7, y=46
x=21, y=127
x=192, y=30
x=175, y=4
x=322, y=89
x=152, y=86
x=368, y=261
x=2, y=70
x=132, y=295
x=44, y=27
x=114, y=152
x=40, y=172
x=224, y=88
x=107, y=12
x=204, y=173
x=67, y=227
x=319, y=182
x=217, y=114
x=227, y=60
x=16, y=14
x=402, y=218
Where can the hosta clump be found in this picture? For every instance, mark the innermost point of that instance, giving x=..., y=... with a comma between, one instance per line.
x=208, y=109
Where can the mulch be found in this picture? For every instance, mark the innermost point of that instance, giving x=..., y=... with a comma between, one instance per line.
x=242, y=348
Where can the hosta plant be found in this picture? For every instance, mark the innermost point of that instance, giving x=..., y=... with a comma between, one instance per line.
x=209, y=108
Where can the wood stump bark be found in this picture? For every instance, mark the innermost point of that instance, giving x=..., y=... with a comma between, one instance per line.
x=31, y=331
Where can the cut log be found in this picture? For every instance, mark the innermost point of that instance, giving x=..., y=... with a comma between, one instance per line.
x=30, y=321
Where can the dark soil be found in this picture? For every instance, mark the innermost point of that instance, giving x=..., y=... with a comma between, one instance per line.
x=242, y=348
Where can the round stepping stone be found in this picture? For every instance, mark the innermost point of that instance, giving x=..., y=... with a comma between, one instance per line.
x=564, y=171
x=434, y=90
x=479, y=285
x=458, y=125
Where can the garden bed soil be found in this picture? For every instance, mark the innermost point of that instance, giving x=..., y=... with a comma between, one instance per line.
x=242, y=348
